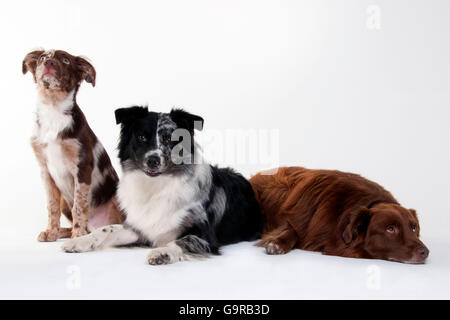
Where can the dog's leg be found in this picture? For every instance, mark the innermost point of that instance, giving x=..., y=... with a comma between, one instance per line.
x=53, y=196
x=279, y=241
x=64, y=233
x=80, y=210
x=65, y=209
x=53, y=207
x=179, y=250
x=108, y=236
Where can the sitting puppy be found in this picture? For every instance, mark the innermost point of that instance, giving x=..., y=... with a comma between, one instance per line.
x=336, y=213
x=172, y=199
x=79, y=179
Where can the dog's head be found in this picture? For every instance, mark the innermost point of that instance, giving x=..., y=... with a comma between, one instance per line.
x=157, y=143
x=386, y=231
x=58, y=70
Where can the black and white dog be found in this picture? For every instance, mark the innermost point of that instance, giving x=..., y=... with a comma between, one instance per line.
x=173, y=200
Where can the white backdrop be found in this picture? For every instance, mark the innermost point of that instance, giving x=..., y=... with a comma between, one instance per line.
x=355, y=85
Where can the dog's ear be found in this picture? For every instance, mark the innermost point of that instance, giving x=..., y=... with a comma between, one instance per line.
x=353, y=223
x=414, y=213
x=86, y=69
x=187, y=120
x=416, y=218
x=29, y=63
x=127, y=116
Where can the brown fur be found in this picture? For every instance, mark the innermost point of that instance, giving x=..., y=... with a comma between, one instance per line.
x=336, y=213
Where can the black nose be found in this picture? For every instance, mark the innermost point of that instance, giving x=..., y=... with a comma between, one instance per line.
x=153, y=162
x=49, y=63
x=423, y=252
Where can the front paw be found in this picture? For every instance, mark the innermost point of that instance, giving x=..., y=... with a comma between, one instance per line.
x=159, y=257
x=81, y=244
x=48, y=236
x=78, y=232
x=274, y=248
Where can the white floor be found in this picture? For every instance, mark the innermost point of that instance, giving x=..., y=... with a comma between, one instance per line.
x=33, y=270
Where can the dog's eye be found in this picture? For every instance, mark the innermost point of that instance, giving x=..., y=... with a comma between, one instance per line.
x=141, y=138
x=390, y=229
x=65, y=60
x=166, y=138
x=43, y=58
x=414, y=228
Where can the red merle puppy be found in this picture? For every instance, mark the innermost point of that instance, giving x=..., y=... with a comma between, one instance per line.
x=79, y=179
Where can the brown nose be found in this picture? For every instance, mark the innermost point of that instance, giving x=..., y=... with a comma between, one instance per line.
x=422, y=252
x=49, y=63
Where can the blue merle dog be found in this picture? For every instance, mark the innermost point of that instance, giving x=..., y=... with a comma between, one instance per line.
x=173, y=200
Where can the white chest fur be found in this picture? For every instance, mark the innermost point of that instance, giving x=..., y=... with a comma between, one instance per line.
x=58, y=167
x=154, y=206
x=52, y=119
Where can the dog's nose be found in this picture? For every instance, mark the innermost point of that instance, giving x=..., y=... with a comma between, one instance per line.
x=422, y=252
x=153, y=162
x=49, y=63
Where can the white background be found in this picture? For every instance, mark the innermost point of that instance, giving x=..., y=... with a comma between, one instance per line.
x=342, y=94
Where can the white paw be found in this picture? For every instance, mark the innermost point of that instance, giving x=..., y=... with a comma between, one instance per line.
x=80, y=244
x=160, y=256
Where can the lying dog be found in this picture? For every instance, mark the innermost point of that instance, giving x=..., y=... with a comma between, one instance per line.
x=336, y=213
x=77, y=172
x=172, y=199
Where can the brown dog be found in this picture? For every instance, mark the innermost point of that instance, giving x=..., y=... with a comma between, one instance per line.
x=337, y=213
x=77, y=172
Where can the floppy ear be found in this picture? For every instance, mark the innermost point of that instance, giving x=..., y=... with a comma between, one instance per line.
x=86, y=69
x=29, y=63
x=354, y=223
x=187, y=120
x=127, y=116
